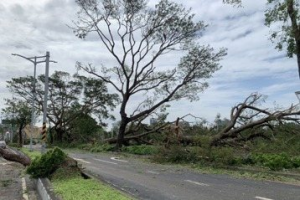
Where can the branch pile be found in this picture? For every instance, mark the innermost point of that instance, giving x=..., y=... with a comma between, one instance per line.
x=248, y=116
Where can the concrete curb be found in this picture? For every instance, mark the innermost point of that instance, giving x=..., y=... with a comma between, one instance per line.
x=45, y=190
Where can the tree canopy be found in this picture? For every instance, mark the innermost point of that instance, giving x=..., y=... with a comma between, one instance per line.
x=136, y=36
x=69, y=98
x=18, y=113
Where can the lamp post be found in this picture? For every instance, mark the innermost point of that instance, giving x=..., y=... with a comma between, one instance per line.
x=35, y=61
x=297, y=93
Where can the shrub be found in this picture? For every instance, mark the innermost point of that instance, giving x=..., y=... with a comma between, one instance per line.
x=274, y=161
x=45, y=165
x=101, y=148
x=296, y=162
x=222, y=156
x=141, y=149
x=176, y=154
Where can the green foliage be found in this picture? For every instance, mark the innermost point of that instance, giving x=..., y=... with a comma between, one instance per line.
x=85, y=128
x=73, y=100
x=223, y=156
x=271, y=161
x=101, y=148
x=32, y=154
x=176, y=154
x=141, y=149
x=280, y=11
x=296, y=161
x=45, y=165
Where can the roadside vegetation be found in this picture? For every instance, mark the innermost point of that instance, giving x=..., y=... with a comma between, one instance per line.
x=66, y=178
x=262, y=158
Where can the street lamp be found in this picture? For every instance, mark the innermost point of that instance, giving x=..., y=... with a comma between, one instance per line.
x=35, y=62
x=298, y=95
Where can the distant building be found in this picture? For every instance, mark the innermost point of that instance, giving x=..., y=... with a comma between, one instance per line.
x=34, y=133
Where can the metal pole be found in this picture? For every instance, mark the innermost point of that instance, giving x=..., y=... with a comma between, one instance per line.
x=44, y=132
x=32, y=104
x=35, y=62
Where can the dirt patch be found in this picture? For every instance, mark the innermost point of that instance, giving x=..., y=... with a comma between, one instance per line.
x=10, y=180
x=11, y=175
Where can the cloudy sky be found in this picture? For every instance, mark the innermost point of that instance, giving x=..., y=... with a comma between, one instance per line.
x=32, y=27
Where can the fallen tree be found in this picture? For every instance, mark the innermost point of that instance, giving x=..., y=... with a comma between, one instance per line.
x=13, y=155
x=172, y=131
x=248, y=121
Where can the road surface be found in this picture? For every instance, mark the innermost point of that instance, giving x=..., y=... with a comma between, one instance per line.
x=156, y=182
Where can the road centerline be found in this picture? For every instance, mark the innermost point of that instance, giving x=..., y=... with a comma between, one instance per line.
x=262, y=198
x=152, y=172
x=105, y=161
x=196, y=183
x=117, y=159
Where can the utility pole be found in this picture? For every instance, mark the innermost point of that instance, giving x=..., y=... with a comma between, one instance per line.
x=35, y=62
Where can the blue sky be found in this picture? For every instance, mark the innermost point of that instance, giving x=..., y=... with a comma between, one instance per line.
x=32, y=27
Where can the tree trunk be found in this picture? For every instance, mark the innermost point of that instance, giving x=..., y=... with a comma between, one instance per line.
x=59, y=134
x=13, y=155
x=121, y=134
x=20, y=138
x=298, y=56
x=51, y=136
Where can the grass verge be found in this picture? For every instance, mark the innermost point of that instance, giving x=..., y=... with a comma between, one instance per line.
x=70, y=185
x=75, y=187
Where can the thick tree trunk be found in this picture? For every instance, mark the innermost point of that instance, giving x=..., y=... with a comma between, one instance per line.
x=121, y=134
x=13, y=155
x=20, y=138
x=59, y=134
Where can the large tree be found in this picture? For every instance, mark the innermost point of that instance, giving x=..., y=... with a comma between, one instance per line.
x=288, y=35
x=285, y=16
x=137, y=36
x=69, y=98
x=18, y=113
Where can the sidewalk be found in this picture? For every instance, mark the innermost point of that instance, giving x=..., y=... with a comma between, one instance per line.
x=14, y=184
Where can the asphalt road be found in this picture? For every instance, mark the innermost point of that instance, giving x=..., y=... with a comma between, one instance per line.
x=160, y=182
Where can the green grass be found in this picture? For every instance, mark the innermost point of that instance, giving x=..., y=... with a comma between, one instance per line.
x=31, y=154
x=75, y=187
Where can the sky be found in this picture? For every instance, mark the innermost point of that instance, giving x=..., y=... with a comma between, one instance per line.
x=32, y=27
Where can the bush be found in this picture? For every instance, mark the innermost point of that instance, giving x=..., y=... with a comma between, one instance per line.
x=296, y=162
x=141, y=149
x=101, y=148
x=222, y=156
x=45, y=165
x=274, y=161
x=176, y=154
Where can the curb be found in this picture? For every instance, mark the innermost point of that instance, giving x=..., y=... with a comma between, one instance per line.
x=45, y=189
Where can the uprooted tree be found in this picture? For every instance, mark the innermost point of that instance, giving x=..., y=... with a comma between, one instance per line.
x=14, y=155
x=137, y=36
x=248, y=121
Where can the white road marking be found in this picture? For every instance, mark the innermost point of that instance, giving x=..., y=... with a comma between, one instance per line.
x=25, y=195
x=152, y=172
x=117, y=159
x=105, y=161
x=262, y=198
x=3, y=163
x=81, y=160
x=197, y=183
